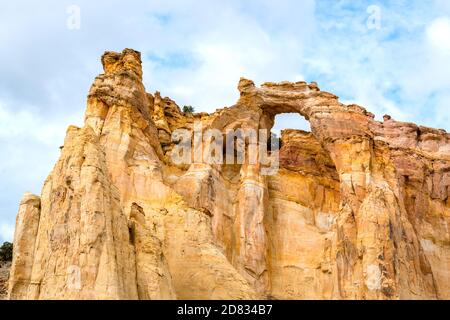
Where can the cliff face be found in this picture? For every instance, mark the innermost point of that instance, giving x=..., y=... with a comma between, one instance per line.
x=358, y=209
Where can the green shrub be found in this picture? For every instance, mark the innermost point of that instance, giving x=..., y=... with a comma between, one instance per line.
x=6, y=251
x=188, y=109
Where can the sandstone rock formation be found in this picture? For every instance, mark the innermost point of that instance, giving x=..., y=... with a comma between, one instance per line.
x=359, y=209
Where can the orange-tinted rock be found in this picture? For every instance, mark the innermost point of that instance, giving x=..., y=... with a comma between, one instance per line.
x=358, y=209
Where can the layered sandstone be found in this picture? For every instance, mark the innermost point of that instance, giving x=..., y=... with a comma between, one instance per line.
x=359, y=209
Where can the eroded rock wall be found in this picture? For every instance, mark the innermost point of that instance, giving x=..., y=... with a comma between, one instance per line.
x=358, y=209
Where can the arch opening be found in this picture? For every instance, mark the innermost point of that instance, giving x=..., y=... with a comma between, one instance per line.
x=290, y=121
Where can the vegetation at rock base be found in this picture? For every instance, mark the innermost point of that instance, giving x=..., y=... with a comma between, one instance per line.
x=6, y=251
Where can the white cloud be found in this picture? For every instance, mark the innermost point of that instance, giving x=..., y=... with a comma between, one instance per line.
x=29, y=125
x=254, y=40
x=6, y=232
x=438, y=34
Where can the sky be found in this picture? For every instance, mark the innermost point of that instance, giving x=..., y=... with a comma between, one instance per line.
x=392, y=57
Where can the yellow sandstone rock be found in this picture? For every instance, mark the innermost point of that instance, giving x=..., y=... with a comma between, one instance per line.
x=358, y=209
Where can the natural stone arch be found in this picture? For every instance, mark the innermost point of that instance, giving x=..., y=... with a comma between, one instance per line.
x=377, y=251
x=348, y=134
